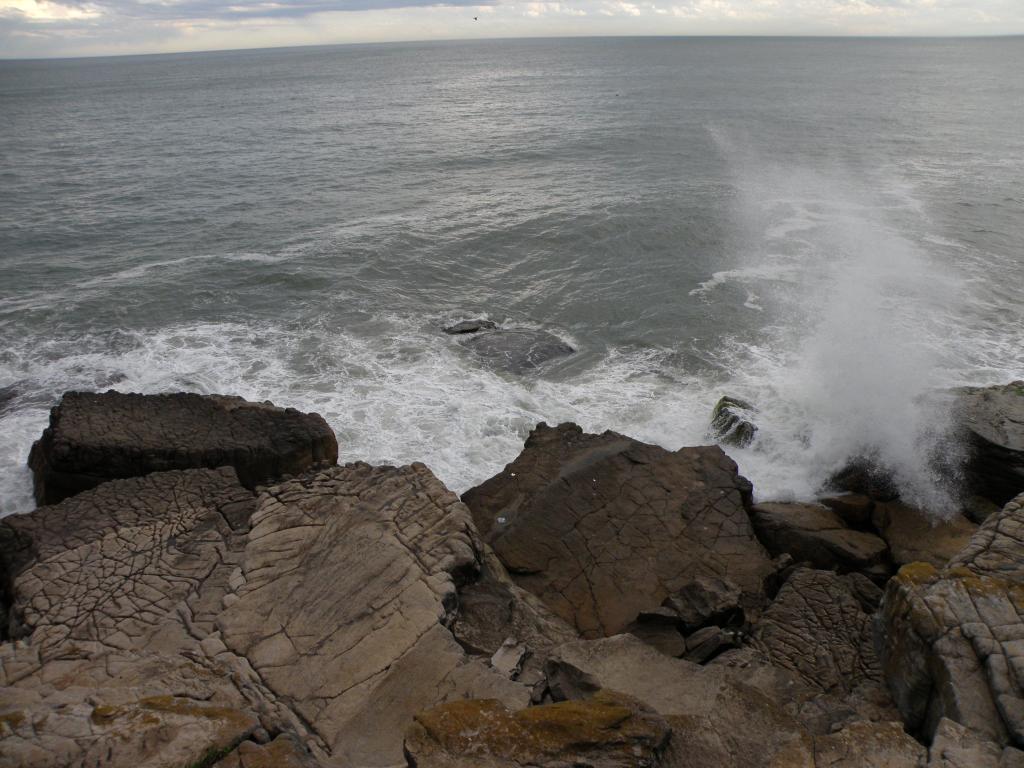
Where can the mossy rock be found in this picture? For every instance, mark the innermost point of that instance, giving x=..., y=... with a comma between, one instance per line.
x=731, y=422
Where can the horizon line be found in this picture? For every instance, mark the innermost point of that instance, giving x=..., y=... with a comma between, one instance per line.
x=525, y=38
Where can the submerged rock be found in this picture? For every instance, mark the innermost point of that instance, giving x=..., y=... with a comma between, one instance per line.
x=994, y=420
x=864, y=475
x=470, y=326
x=732, y=422
x=951, y=639
x=517, y=351
x=94, y=437
x=603, y=527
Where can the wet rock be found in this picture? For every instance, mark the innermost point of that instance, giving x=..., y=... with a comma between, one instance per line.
x=94, y=437
x=7, y=397
x=994, y=420
x=815, y=534
x=818, y=629
x=732, y=422
x=951, y=639
x=603, y=527
x=978, y=509
x=608, y=730
x=342, y=606
x=470, y=326
x=915, y=536
x=853, y=508
x=517, y=351
x=864, y=475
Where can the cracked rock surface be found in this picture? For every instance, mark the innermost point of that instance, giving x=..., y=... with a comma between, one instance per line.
x=347, y=589
x=603, y=527
x=94, y=437
x=952, y=640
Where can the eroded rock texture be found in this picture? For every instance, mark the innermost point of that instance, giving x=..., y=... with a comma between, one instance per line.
x=952, y=640
x=94, y=437
x=347, y=587
x=602, y=527
x=817, y=628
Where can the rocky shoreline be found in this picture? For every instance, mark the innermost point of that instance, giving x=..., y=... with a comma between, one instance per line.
x=202, y=585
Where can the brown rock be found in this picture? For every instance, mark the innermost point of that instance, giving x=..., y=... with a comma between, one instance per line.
x=94, y=437
x=853, y=508
x=915, y=537
x=608, y=730
x=602, y=527
x=815, y=534
x=282, y=752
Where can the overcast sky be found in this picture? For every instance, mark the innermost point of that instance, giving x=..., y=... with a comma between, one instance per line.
x=31, y=28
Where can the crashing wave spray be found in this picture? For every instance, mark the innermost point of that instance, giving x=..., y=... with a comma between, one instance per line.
x=851, y=358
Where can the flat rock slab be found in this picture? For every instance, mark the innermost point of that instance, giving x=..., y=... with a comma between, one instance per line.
x=915, y=537
x=815, y=534
x=95, y=437
x=347, y=587
x=517, y=351
x=607, y=731
x=603, y=527
x=952, y=640
x=994, y=420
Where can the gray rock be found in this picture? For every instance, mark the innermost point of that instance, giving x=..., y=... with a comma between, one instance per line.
x=603, y=527
x=470, y=326
x=994, y=420
x=732, y=422
x=952, y=640
x=662, y=629
x=706, y=599
x=704, y=644
x=94, y=437
x=955, y=746
x=815, y=534
x=517, y=351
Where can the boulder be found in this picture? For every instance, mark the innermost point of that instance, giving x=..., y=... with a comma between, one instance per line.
x=818, y=629
x=469, y=326
x=716, y=719
x=955, y=746
x=706, y=599
x=815, y=534
x=608, y=730
x=732, y=422
x=952, y=640
x=853, y=508
x=95, y=437
x=343, y=602
x=603, y=527
x=282, y=752
x=993, y=418
x=914, y=536
x=662, y=629
x=517, y=351
x=878, y=745
x=704, y=644
x=864, y=476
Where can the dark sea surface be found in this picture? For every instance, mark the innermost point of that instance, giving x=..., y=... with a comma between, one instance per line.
x=828, y=228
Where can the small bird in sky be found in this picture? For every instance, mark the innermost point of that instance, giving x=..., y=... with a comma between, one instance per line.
x=474, y=18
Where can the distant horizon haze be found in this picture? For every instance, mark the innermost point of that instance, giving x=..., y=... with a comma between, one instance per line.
x=32, y=29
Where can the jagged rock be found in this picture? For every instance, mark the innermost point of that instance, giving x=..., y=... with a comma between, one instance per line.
x=7, y=397
x=94, y=437
x=978, y=509
x=282, y=752
x=706, y=600
x=347, y=586
x=732, y=422
x=517, y=351
x=705, y=644
x=994, y=420
x=602, y=527
x=915, y=537
x=817, y=628
x=853, y=508
x=716, y=719
x=608, y=730
x=815, y=534
x=865, y=476
x=955, y=746
x=952, y=641
x=470, y=326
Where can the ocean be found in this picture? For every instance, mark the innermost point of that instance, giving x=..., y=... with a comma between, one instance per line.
x=831, y=229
